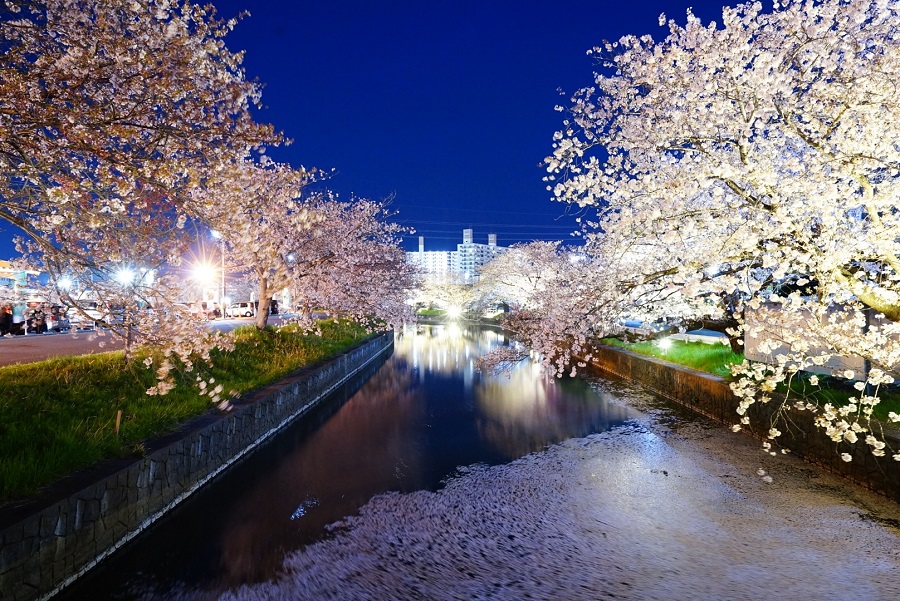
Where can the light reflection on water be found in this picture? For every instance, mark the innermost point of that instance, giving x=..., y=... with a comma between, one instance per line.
x=425, y=412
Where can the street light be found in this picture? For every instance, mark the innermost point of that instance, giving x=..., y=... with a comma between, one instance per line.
x=124, y=276
x=218, y=235
x=204, y=273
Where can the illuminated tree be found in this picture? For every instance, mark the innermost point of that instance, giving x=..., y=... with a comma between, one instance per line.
x=111, y=115
x=352, y=263
x=450, y=292
x=340, y=255
x=546, y=287
x=755, y=159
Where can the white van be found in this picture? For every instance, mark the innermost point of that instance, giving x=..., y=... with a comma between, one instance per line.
x=91, y=312
x=242, y=310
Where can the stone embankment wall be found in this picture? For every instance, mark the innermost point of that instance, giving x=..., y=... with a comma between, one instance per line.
x=48, y=547
x=711, y=396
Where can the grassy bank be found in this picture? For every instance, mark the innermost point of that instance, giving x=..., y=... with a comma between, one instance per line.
x=59, y=415
x=714, y=359
x=717, y=359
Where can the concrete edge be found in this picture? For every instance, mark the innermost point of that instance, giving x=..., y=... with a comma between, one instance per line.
x=42, y=553
x=710, y=395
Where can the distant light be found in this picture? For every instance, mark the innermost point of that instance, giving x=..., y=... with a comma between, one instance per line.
x=124, y=276
x=665, y=344
x=204, y=272
x=65, y=283
x=453, y=312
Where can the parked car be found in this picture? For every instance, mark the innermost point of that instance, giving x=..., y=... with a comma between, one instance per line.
x=87, y=315
x=113, y=314
x=247, y=309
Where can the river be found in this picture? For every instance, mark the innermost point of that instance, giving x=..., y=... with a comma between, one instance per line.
x=425, y=413
x=434, y=481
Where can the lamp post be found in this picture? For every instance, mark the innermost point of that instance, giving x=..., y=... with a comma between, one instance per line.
x=205, y=275
x=218, y=235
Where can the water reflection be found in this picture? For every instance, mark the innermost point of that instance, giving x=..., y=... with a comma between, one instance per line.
x=425, y=412
x=532, y=409
x=515, y=413
x=364, y=449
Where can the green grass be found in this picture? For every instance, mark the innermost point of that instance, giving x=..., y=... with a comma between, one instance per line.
x=715, y=359
x=59, y=415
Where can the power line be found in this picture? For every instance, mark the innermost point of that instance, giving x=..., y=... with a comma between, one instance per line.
x=460, y=210
x=490, y=225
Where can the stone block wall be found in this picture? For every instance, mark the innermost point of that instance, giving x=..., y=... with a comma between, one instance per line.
x=52, y=545
x=710, y=395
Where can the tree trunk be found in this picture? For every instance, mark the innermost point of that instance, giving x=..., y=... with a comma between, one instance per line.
x=129, y=339
x=870, y=296
x=265, y=301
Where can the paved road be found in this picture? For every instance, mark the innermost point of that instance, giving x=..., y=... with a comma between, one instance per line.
x=37, y=347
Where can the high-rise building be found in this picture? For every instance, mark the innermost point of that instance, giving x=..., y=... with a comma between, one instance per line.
x=464, y=263
x=436, y=262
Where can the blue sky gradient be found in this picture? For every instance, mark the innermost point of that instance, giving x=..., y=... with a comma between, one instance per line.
x=447, y=107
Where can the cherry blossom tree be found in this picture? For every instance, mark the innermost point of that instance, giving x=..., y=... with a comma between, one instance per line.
x=452, y=293
x=519, y=276
x=111, y=114
x=258, y=219
x=551, y=291
x=755, y=161
x=352, y=263
x=344, y=256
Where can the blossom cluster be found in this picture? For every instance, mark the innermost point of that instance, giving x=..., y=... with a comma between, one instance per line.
x=745, y=171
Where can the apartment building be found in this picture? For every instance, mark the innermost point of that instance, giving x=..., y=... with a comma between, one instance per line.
x=464, y=263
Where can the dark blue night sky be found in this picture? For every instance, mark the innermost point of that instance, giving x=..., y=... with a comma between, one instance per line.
x=446, y=106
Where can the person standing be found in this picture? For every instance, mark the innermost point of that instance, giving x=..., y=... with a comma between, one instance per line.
x=6, y=320
x=18, y=319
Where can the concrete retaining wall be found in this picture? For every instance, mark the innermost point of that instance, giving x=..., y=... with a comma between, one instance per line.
x=711, y=396
x=48, y=547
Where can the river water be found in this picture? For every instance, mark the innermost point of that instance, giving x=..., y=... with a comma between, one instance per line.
x=424, y=414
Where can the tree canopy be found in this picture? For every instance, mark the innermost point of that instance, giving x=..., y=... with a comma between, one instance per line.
x=285, y=233
x=747, y=163
x=127, y=127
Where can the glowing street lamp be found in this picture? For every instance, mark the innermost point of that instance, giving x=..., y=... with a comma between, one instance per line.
x=218, y=235
x=124, y=276
x=204, y=273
